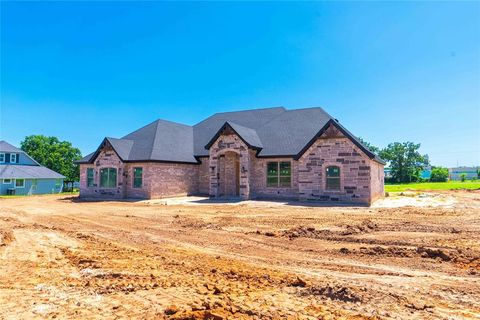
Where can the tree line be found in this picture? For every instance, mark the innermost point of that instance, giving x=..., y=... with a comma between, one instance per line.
x=406, y=163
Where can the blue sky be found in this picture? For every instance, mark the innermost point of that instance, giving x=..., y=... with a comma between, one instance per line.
x=388, y=71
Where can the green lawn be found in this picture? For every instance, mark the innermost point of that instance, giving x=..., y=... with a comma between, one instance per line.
x=450, y=185
x=43, y=195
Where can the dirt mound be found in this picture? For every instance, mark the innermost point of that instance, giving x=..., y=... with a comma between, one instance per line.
x=6, y=236
x=365, y=226
x=194, y=223
x=457, y=256
x=336, y=292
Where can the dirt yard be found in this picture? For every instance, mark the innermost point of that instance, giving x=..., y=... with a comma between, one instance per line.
x=406, y=257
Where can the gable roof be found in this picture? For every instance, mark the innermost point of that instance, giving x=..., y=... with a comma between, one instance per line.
x=249, y=136
x=7, y=147
x=272, y=132
x=24, y=171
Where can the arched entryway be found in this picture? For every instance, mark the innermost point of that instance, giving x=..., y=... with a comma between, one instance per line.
x=229, y=174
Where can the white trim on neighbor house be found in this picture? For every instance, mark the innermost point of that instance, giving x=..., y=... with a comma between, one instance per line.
x=2, y=157
x=19, y=187
x=11, y=157
x=9, y=181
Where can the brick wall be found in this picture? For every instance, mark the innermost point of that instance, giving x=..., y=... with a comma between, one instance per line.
x=170, y=179
x=361, y=179
x=334, y=149
x=106, y=159
x=203, y=177
x=258, y=180
x=377, y=181
x=159, y=179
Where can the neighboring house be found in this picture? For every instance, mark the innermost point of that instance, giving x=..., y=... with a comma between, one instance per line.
x=456, y=173
x=263, y=153
x=22, y=175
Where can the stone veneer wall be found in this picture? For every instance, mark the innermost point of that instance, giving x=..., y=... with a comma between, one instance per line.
x=333, y=149
x=229, y=142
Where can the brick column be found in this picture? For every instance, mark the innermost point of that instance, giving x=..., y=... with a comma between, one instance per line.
x=213, y=173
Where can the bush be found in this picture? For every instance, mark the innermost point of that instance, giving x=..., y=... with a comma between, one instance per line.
x=463, y=177
x=439, y=174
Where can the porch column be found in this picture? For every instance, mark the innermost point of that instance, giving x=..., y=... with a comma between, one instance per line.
x=213, y=173
x=244, y=173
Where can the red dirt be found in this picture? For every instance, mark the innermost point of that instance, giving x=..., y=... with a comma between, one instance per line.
x=68, y=259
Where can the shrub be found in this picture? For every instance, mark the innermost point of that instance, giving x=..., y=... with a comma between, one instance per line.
x=439, y=174
x=463, y=177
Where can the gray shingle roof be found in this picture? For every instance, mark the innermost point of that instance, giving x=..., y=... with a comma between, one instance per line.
x=16, y=171
x=7, y=147
x=274, y=131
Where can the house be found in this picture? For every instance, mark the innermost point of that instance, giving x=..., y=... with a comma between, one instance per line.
x=22, y=175
x=456, y=173
x=262, y=153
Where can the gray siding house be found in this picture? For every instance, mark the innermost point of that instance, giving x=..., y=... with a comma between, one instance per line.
x=22, y=175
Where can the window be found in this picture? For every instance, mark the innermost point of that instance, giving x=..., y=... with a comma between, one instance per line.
x=333, y=178
x=7, y=181
x=19, y=183
x=34, y=184
x=2, y=157
x=137, y=177
x=89, y=177
x=279, y=174
x=13, y=158
x=108, y=178
x=58, y=183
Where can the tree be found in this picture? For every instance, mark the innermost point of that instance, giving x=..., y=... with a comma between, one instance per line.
x=369, y=146
x=463, y=177
x=439, y=174
x=54, y=154
x=404, y=160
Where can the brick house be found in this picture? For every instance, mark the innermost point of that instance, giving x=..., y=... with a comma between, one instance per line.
x=300, y=154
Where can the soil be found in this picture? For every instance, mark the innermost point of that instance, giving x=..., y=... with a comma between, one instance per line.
x=64, y=258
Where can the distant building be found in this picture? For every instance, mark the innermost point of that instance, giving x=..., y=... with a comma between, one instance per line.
x=456, y=173
x=22, y=175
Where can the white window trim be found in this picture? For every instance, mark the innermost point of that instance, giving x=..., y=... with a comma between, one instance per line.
x=17, y=187
x=11, y=155
x=2, y=161
x=10, y=181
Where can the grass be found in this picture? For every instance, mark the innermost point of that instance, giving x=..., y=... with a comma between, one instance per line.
x=36, y=195
x=449, y=185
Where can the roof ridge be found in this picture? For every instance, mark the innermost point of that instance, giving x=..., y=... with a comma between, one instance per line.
x=250, y=110
x=154, y=140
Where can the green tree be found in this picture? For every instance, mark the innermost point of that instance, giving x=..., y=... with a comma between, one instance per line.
x=369, y=146
x=53, y=154
x=439, y=174
x=404, y=160
x=463, y=177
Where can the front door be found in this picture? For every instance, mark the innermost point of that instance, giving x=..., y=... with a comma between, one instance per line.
x=229, y=172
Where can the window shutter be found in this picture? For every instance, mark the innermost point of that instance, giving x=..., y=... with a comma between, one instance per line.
x=18, y=157
x=7, y=157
